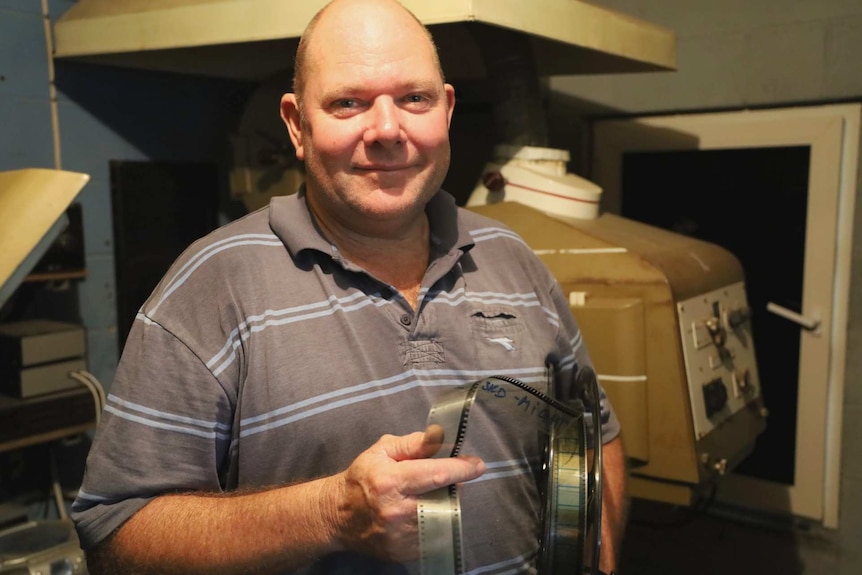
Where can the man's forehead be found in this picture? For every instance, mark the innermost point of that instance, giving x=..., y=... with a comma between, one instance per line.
x=350, y=24
x=366, y=61
x=409, y=58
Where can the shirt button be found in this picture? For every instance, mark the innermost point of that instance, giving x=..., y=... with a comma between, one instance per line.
x=406, y=319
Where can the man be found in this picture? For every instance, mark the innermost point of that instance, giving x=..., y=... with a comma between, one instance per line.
x=267, y=412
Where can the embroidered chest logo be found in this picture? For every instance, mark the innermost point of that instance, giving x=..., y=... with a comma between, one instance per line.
x=504, y=341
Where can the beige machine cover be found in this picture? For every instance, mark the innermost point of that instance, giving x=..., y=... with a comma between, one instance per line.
x=33, y=203
x=625, y=281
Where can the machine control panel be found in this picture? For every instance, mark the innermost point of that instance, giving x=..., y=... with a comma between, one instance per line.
x=720, y=362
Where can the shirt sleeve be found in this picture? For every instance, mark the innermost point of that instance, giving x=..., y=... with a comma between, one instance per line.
x=166, y=427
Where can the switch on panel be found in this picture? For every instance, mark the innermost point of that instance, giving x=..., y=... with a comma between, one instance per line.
x=700, y=334
x=742, y=385
x=737, y=317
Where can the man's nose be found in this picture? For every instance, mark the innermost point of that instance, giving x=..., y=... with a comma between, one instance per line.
x=384, y=125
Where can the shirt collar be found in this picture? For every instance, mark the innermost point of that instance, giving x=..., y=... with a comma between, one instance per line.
x=292, y=222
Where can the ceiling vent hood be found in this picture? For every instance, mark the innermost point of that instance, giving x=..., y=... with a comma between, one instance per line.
x=253, y=39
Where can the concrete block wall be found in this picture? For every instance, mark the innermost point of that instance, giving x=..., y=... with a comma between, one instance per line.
x=104, y=114
x=737, y=54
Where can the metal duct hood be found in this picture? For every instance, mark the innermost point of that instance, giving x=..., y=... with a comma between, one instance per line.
x=253, y=39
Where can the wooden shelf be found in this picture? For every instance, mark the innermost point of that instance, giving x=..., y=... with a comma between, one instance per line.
x=56, y=276
x=45, y=437
x=25, y=422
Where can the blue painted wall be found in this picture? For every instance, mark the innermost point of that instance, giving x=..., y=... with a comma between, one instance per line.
x=25, y=120
x=105, y=114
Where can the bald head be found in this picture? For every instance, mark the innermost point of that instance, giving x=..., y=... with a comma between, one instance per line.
x=357, y=13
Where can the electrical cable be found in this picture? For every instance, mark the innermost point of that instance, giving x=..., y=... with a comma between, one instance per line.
x=98, y=385
x=89, y=381
x=687, y=514
x=56, y=489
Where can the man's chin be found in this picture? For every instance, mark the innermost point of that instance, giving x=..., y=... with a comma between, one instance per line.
x=395, y=198
x=393, y=213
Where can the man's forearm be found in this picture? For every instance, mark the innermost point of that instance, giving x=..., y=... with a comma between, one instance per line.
x=614, y=503
x=369, y=508
x=262, y=532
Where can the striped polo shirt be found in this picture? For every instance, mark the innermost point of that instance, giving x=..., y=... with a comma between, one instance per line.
x=265, y=357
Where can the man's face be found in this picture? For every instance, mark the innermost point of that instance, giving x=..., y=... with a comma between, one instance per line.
x=375, y=133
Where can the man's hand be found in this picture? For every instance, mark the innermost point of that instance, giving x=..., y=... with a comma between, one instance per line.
x=376, y=497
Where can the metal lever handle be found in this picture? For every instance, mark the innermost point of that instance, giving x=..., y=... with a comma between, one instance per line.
x=809, y=323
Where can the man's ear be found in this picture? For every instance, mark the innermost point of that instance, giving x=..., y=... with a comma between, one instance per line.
x=290, y=115
x=450, y=101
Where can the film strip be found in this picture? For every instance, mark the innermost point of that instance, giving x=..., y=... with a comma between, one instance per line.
x=571, y=492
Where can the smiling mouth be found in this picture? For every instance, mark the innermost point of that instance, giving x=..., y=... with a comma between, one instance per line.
x=381, y=168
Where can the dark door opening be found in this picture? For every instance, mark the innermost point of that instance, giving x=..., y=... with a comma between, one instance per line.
x=159, y=209
x=753, y=202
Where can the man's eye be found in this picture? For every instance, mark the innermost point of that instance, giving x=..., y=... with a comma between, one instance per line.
x=346, y=103
x=417, y=102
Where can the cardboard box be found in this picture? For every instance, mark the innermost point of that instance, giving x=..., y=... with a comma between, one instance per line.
x=40, y=379
x=33, y=342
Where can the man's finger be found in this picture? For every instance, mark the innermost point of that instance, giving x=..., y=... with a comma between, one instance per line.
x=419, y=472
x=422, y=475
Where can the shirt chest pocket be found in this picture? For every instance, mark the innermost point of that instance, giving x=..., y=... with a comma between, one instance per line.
x=494, y=320
x=497, y=330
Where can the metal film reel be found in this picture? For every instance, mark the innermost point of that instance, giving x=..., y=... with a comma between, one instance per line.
x=572, y=494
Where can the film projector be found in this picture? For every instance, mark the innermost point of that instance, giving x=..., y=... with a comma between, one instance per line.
x=664, y=316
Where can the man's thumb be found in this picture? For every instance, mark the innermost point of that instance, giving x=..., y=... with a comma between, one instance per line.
x=419, y=445
x=432, y=441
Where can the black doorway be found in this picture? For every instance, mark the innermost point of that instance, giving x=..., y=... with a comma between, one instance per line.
x=159, y=208
x=753, y=202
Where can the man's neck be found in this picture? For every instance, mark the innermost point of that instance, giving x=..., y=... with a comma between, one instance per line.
x=397, y=259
